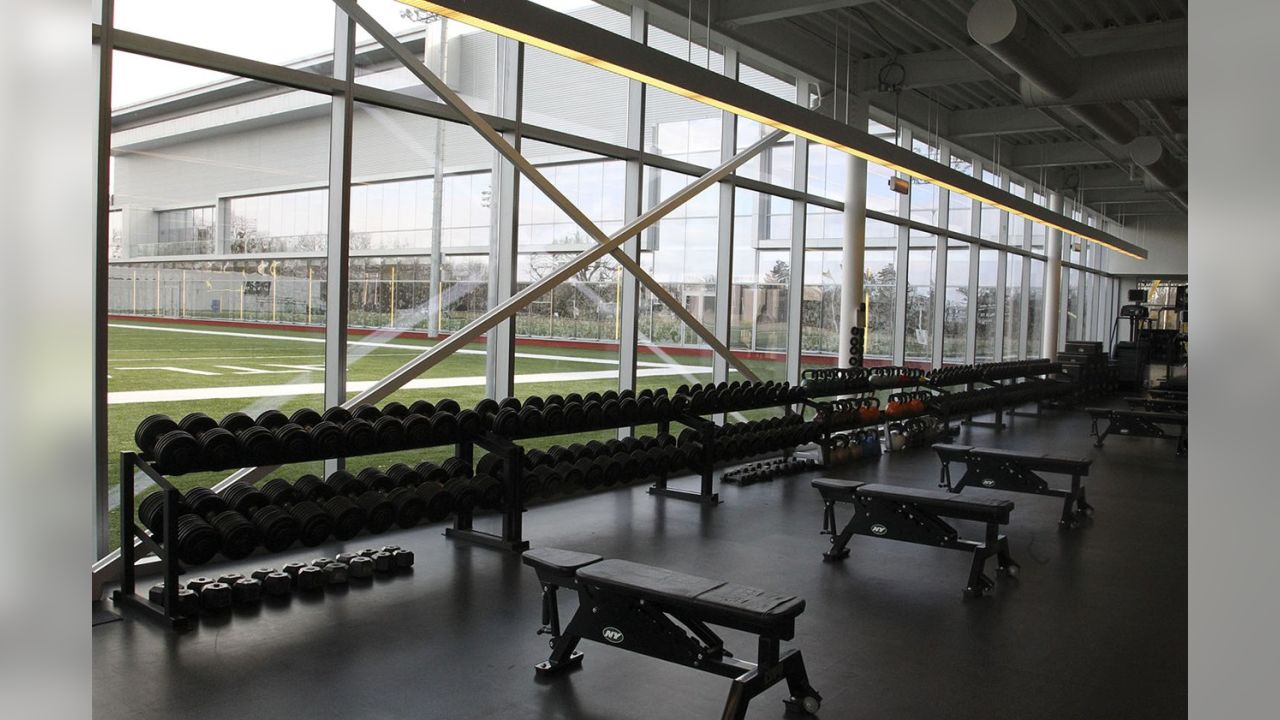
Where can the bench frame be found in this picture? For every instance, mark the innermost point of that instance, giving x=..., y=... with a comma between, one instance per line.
x=646, y=626
x=1132, y=424
x=906, y=521
x=1014, y=475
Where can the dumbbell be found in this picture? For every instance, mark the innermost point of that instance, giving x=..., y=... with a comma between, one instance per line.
x=379, y=513
x=197, y=540
x=188, y=600
x=348, y=516
x=218, y=446
x=239, y=536
x=501, y=420
x=437, y=502
x=273, y=583
x=150, y=430
x=315, y=525
x=277, y=528
x=425, y=408
x=463, y=494
x=409, y=506
x=487, y=489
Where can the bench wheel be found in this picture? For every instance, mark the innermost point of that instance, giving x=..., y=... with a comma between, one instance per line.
x=1009, y=571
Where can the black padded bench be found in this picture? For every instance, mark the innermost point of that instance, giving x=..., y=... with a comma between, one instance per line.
x=1016, y=471
x=665, y=614
x=1139, y=423
x=1157, y=404
x=911, y=515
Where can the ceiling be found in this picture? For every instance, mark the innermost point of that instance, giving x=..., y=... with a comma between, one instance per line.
x=951, y=82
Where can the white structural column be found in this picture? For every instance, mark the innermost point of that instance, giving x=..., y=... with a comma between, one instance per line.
x=338, y=252
x=942, y=242
x=795, y=280
x=504, y=245
x=853, y=251
x=633, y=200
x=434, y=309
x=1053, y=283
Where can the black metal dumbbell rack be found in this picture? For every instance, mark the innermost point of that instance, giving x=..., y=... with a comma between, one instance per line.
x=705, y=493
x=861, y=392
x=166, y=552
x=511, y=536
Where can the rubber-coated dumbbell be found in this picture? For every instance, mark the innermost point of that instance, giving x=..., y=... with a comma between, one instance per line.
x=315, y=524
x=239, y=536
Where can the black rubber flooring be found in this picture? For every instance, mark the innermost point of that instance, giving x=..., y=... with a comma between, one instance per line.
x=1096, y=626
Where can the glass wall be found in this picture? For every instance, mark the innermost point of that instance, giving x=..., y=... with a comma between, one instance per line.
x=921, y=272
x=987, y=341
x=955, y=309
x=1013, y=298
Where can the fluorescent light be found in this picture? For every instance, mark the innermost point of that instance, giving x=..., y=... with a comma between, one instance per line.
x=570, y=37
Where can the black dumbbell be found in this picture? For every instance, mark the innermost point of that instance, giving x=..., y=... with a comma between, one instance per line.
x=277, y=527
x=197, y=540
x=305, y=417
x=500, y=420
x=315, y=525
x=239, y=536
x=438, y=503
x=458, y=488
x=150, y=430
x=378, y=513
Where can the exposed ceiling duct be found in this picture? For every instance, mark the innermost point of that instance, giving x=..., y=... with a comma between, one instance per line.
x=1089, y=88
x=1164, y=172
x=1159, y=74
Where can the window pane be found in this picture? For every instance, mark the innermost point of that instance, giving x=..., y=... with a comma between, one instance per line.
x=955, y=318
x=985, y=308
x=1012, y=306
x=1035, y=310
x=919, y=327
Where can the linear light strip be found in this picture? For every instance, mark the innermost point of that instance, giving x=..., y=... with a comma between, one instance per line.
x=570, y=37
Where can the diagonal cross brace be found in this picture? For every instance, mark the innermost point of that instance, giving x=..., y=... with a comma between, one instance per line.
x=110, y=563
x=491, y=136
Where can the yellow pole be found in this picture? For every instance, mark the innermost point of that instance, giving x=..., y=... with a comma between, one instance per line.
x=617, y=308
x=309, y=271
x=182, y=300
x=157, y=291
x=273, y=291
x=242, y=281
x=134, y=292
x=393, y=296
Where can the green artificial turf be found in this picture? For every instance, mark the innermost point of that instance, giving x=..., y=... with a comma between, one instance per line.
x=238, y=357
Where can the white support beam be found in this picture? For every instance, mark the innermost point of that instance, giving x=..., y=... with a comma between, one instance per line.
x=736, y=13
x=338, y=249
x=1007, y=120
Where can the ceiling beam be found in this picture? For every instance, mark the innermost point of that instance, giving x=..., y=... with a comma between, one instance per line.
x=997, y=121
x=1067, y=153
x=736, y=13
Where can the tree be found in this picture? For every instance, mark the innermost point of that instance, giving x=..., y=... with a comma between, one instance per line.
x=779, y=274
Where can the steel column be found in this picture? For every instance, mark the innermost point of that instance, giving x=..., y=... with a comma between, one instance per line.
x=103, y=52
x=1052, y=284
x=504, y=243
x=724, y=233
x=633, y=204
x=338, y=249
x=799, y=217
x=435, y=309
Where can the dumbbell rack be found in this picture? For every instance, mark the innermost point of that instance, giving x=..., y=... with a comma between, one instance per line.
x=705, y=494
x=512, y=534
x=127, y=595
x=860, y=391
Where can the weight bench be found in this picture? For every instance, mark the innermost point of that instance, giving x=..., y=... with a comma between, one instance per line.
x=911, y=515
x=1139, y=423
x=665, y=614
x=1155, y=404
x=1015, y=471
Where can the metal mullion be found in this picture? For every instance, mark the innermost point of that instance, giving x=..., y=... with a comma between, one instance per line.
x=338, y=247
x=633, y=205
x=799, y=224
x=904, y=255
x=975, y=254
x=504, y=241
x=1001, y=280
x=104, y=51
x=940, y=269
x=423, y=74
x=724, y=234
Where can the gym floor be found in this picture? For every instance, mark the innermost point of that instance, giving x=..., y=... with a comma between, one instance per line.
x=1096, y=626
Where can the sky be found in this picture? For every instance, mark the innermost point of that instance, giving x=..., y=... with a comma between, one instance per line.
x=275, y=31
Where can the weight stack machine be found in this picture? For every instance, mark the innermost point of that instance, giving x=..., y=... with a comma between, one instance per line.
x=1085, y=362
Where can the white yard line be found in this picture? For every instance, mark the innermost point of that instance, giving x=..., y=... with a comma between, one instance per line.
x=370, y=343
x=128, y=397
x=170, y=368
